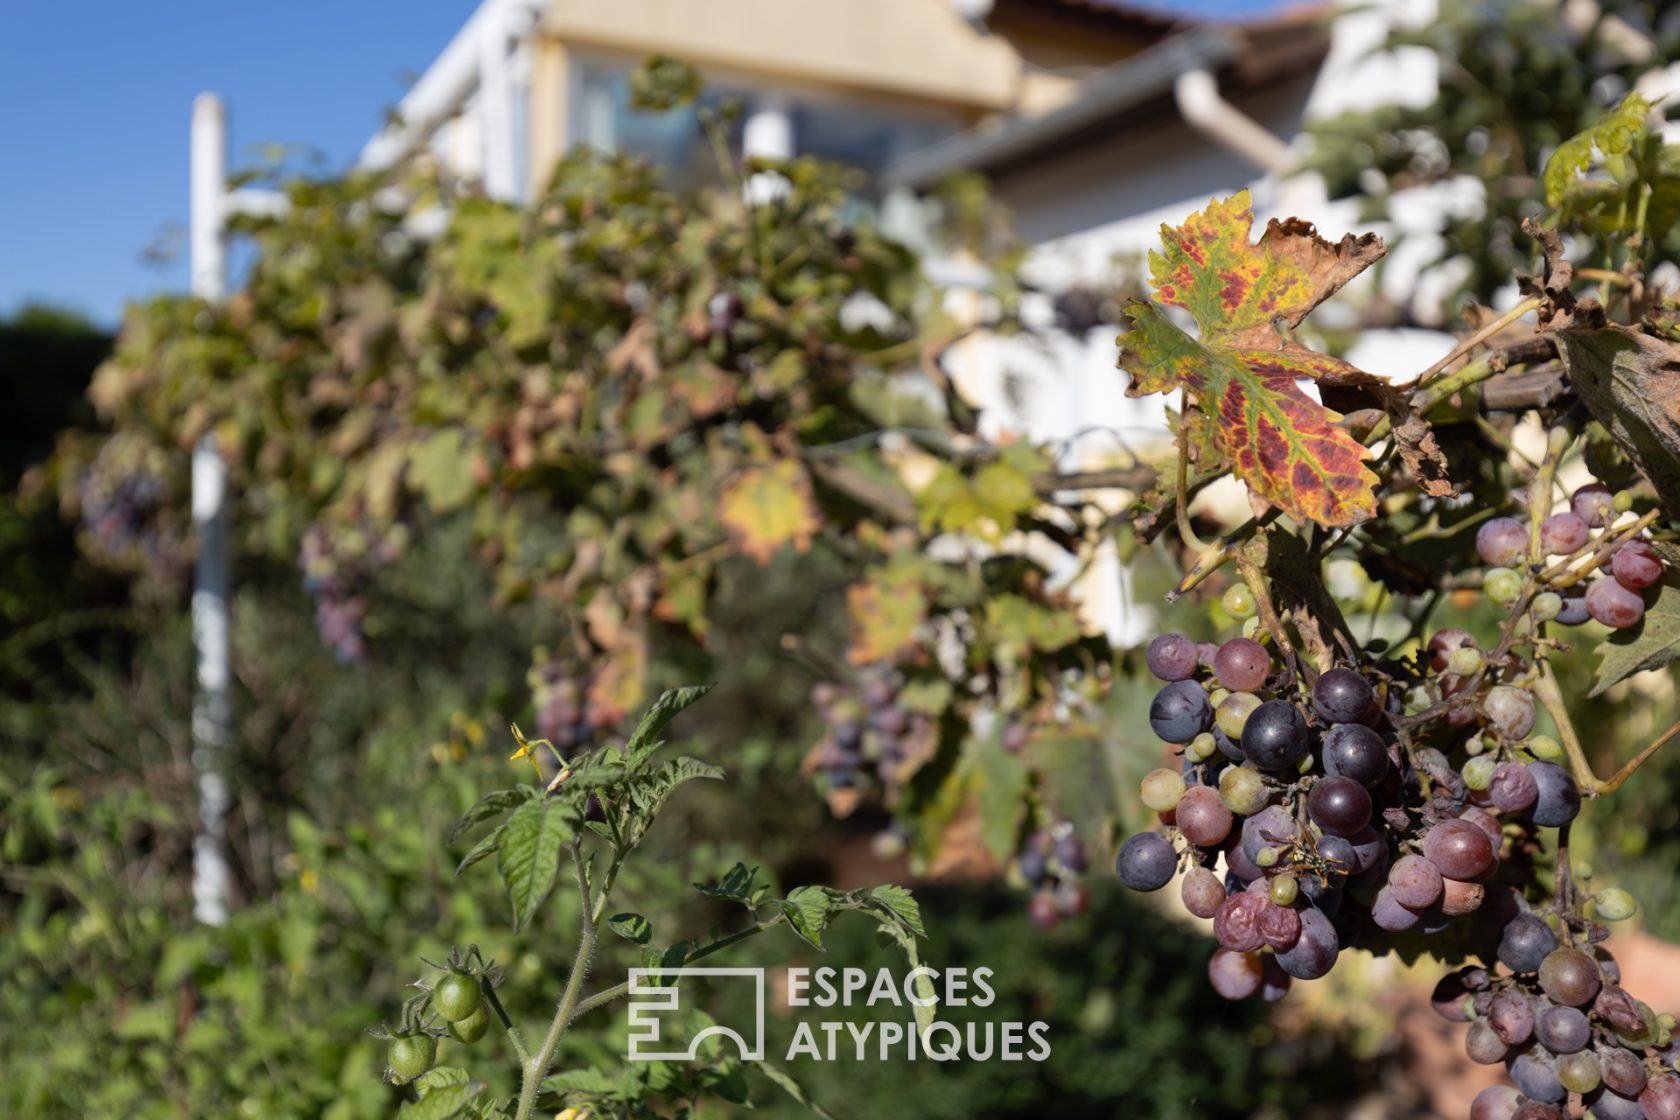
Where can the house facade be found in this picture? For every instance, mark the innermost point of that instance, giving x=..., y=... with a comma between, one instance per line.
x=1094, y=120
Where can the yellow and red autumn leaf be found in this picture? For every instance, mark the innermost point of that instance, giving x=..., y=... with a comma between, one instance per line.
x=769, y=507
x=1286, y=446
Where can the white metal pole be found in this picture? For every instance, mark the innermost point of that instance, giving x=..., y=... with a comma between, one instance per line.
x=211, y=878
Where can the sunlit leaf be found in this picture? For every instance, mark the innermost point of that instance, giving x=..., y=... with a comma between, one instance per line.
x=1280, y=441
x=768, y=508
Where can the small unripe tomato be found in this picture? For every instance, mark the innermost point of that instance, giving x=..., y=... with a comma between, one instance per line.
x=457, y=996
x=472, y=1028
x=411, y=1055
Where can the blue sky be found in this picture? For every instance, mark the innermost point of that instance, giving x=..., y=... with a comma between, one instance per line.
x=97, y=98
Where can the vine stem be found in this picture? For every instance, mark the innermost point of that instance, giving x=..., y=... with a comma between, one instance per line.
x=1563, y=885
x=1486, y=332
x=514, y=1035
x=1615, y=781
x=1182, y=486
x=536, y=1067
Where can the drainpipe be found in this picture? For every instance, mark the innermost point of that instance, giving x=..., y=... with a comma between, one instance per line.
x=1197, y=94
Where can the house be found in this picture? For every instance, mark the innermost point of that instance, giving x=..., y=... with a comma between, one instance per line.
x=1094, y=120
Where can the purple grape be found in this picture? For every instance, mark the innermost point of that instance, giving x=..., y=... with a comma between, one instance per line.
x=1203, y=817
x=1244, y=868
x=1636, y=566
x=1146, y=862
x=1414, y=883
x=1607, y=1104
x=1595, y=504
x=1458, y=849
x=1614, y=605
x=1352, y=750
x=1180, y=712
x=1279, y=926
x=1574, y=610
x=1482, y=1045
x=1370, y=850
x=1274, y=981
x=1510, y=710
x=1271, y=827
x=1314, y=953
x=1496, y=1102
x=1275, y=737
x=1502, y=542
x=1557, y=797
x=1235, y=975
x=1205, y=652
x=1236, y=924
x=1242, y=664
x=1513, y=788
x=1525, y=943
x=1661, y=1098
x=1343, y=696
x=1563, y=534
x=1623, y=1072
x=1202, y=892
x=1563, y=1030
x=1070, y=853
x=1390, y=915
x=1172, y=657
x=1339, y=805
x=1339, y=853
x=1569, y=976
x=1536, y=1078
x=1488, y=823
x=1511, y=1014
x=1441, y=646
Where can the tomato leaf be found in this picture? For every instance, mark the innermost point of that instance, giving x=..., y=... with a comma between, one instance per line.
x=1281, y=442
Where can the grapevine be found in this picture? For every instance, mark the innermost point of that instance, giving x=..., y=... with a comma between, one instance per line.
x=1332, y=793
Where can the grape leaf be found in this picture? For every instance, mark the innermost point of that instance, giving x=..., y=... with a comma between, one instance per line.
x=887, y=611
x=1281, y=442
x=1614, y=133
x=770, y=507
x=1650, y=645
x=1630, y=382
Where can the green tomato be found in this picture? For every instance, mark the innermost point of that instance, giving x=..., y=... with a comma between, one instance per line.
x=472, y=1028
x=411, y=1055
x=457, y=996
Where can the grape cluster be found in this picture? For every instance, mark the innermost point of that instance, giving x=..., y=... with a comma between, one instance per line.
x=124, y=504
x=1562, y=1024
x=872, y=736
x=566, y=716
x=1628, y=565
x=338, y=566
x=1051, y=862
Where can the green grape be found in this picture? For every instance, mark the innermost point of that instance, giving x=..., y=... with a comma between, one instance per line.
x=1283, y=889
x=1545, y=606
x=1266, y=857
x=1218, y=696
x=1622, y=501
x=1544, y=747
x=1238, y=602
x=1202, y=747
x=1251, y=627
x=1161, y=790
x=1478, y=772
x=1474, y=745
x=1465, y=661
x=1231, y=714
x=1346, y=579
x=1615, y=905
x=1306, y=764
x=1243, y=790
x=1666, y=1021
x=1502, y=585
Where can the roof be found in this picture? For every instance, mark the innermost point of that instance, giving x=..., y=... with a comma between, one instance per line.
x=1248, y=56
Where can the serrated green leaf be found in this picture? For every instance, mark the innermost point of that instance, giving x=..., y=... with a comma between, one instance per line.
x=480, y=851
x=736, y=884
x=1653, y=643
x=1612, y=134
x=650, y=791
x=631, y=927
x=528, y=853
x=898, y=901
x=807, y=910
x=439, y=1077
x=1001, y=779
x=491, y=805
x=440, y=468
x=442, y=1103
x=671, y=702
x=586, y=1082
